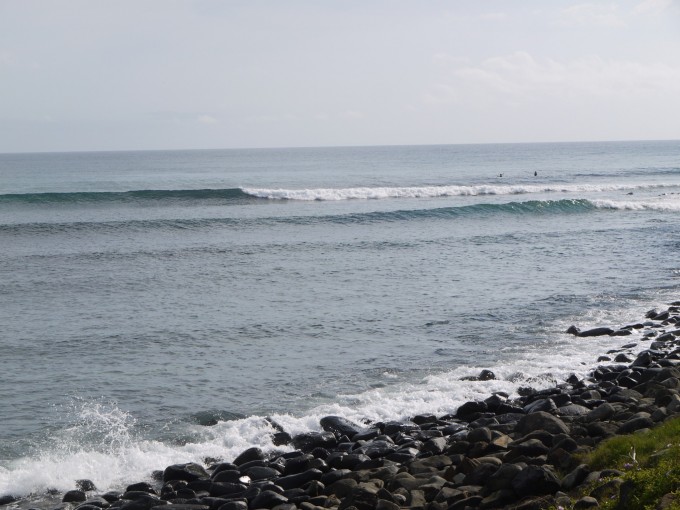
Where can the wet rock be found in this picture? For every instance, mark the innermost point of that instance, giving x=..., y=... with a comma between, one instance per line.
x=311, y=440
x=394, y=427
x=262, y=473
x=143, y=503
x=378, y=448
x=225, y=489
x=544, y=404
x=435, y=445
x=299, y=479
x=134, y=495
x=469, y=409
x=189, y=472
x=85, y=485
x=281, y=438
x=590, y=332
x=74, y=496
x=141, y=486
x=249, y=455
x=111, y=496
x=339, y=425
x=268, y=499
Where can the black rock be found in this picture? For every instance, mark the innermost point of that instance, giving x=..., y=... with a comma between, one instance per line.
x=311, y=440
x=469, y=409
x=74, y=496
x=339, y=425
x=134, y=495
x=226, y=489
x=299, y=479
x=262, y=473
x=268, y=499
x=486, y=375
x=144, y=503
x=535, y=481
x=281, y=438
x=111, y=496
x=86, y=485
x=185, y=506
x=297, y=464
x=240, y=504
x=596, y=332
x=377, y=449
x=227, y=475
x=141, y=486
x=394, y=427
x=249, y=455
x=188, y=472
x=543, y=404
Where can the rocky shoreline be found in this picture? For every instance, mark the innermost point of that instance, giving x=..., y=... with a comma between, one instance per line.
x=521, y=453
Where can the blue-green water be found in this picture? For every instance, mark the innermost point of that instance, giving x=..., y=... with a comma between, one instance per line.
x=145, y=296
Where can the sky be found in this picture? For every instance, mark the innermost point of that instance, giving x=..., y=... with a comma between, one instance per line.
x=88, y=75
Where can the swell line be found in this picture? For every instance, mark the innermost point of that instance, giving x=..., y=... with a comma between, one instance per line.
x=126, y=197
x=534, y=207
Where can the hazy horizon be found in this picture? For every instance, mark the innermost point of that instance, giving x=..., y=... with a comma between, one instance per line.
x=302, y=147
x=77, y=75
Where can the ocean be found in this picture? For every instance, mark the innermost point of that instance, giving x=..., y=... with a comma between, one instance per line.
x=161, y=307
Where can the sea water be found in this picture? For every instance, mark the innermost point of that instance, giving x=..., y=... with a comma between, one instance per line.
x=157, y=307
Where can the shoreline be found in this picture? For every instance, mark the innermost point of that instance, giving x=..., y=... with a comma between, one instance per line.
x=492, y=453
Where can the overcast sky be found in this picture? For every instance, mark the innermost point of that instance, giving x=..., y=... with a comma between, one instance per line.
x=175, y=74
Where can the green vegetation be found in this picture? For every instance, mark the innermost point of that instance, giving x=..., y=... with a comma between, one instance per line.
x=651, y=465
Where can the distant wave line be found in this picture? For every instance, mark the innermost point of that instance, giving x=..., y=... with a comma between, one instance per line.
x=376, y=193
x=126, y=196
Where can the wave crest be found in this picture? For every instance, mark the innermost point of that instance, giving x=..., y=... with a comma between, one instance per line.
x=368, y=193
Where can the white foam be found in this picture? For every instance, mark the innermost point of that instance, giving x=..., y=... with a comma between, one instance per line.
x=438, y=191
x=119, y=458
x=663, y=204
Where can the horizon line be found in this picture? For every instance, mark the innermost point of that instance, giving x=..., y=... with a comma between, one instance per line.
x=307, y=147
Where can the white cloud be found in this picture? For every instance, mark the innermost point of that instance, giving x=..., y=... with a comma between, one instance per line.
x=494, y=16
x=206, y=119
x=352, y=114
x=262, y=119
x=652, y=6
x=6, y=57
x=440, y=94
x=587, y=14
x=519, y=77
x=445, y=59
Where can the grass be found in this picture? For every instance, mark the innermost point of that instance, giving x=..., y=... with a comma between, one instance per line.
x=650, y=462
